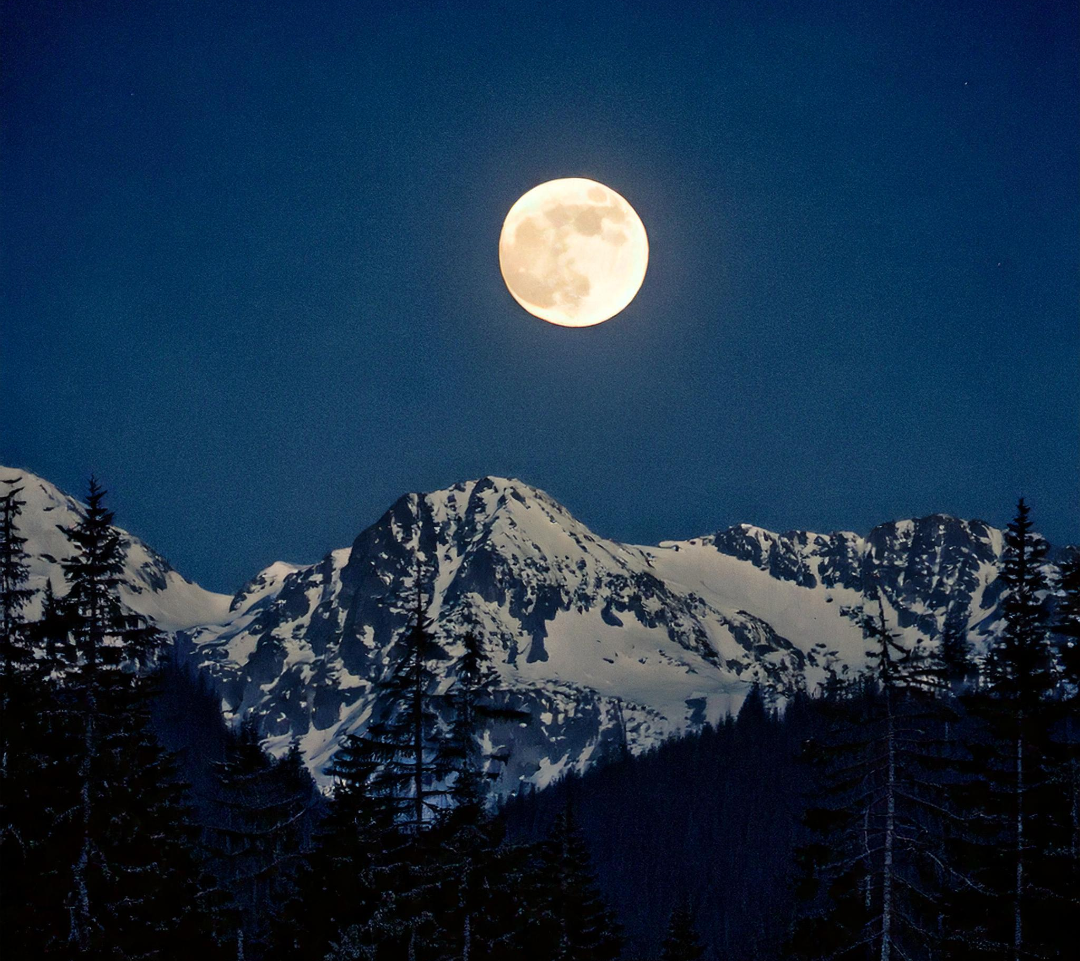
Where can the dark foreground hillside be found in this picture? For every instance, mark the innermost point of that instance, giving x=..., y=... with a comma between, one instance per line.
x=713, y=818
x=925, y=809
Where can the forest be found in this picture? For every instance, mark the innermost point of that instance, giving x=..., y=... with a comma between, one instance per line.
x=927, y=807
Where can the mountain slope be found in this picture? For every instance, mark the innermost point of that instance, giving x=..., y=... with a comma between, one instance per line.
x=606, y=647
x=149, y=585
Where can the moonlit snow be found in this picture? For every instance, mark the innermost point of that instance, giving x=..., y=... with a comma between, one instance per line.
x=609, y=647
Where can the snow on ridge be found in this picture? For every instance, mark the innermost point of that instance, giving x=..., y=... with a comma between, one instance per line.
x=267, y=583
x=149, y=585
x=607, y=646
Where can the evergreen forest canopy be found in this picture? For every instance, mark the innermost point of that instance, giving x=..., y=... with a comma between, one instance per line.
x=926, y=808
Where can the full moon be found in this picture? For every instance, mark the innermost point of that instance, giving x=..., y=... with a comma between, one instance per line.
x=573, y=252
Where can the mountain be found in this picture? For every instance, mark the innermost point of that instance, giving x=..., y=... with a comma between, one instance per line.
x=149, y=585
x=607, y=647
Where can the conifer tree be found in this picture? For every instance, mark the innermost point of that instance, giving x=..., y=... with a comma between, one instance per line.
x=344, y=888
x=16, y=656
x=682, y=942
x=258, y=837
x=22, y=747
x=49, y=633
x=474, y=919
x=16, y=660
x=568, y=919
x=1006, y=907
x=39, y=788
x=120, y=839
x=14, y=573
x=958, y=669
x=391, y=783
x=103, y=641
x=872, y=884
x=1019, y=665
x=461, y=751
x=404, y=741
x=469, y=835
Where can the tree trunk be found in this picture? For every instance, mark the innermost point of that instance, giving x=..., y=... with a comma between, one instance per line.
x=890, y=833
x=418, y=743
x=1018, y=931
x=80, y=918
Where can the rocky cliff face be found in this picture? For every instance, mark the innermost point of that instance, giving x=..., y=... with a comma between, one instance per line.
x=928, y=569
x=605, y=647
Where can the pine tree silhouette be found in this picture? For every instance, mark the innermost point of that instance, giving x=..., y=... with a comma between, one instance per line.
x=471, y=701
x=394, y=776
x=872, y=882
x=959, y=671
x=404, y=741
x=257, y=840
x=473, y=914
x=344, y=891
x=118, y=848
x=682, y=942
x=1005, y=906
x=569, y=920
x=24, y=749
x=15, y=653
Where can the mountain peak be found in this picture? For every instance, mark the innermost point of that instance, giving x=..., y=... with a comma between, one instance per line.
x=148, y=586
x=606, y=647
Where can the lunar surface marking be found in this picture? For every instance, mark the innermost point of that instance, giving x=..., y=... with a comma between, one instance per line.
x=573, y=252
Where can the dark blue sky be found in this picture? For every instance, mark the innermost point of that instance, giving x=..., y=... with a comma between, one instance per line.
x=250, y=271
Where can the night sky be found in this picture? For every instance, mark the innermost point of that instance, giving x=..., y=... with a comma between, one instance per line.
x=250, y=269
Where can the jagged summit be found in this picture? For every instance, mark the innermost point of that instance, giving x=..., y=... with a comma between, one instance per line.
x=607, y=647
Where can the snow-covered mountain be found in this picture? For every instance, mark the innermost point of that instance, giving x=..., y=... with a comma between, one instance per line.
x=149, y=585
x=607, y=647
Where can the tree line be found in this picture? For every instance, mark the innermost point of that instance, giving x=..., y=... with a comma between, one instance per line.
x=947, y=817
x=927, y=807
x=106, y=852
